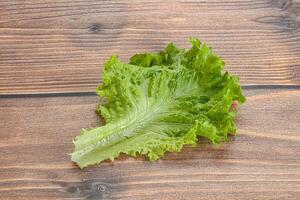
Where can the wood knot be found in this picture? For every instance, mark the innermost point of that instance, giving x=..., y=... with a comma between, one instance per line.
x=72, y=189
x=95, y=28
x=102, y=188
x=90, y=189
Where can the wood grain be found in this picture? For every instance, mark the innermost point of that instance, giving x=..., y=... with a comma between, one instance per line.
x=262, y=162
x=60, y=46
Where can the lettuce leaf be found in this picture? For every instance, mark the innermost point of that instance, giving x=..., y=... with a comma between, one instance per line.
x=160, y=102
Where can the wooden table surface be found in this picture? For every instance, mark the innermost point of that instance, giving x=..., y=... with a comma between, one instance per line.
x=51, y=59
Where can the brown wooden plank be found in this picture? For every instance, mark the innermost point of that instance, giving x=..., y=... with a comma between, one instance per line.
x=262, y=162
x=60, y=46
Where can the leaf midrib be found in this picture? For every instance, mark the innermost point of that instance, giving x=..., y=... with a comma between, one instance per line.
x=144, y=120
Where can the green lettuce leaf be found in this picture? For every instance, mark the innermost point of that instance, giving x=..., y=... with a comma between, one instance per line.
x=160, y=102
